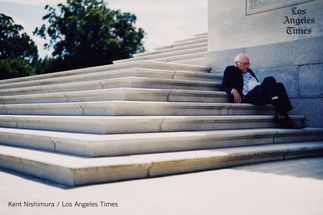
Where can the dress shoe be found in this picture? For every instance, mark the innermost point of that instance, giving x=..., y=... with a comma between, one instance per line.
x=289, y=123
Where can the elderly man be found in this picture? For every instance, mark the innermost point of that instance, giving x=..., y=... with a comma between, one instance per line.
x=240, y=82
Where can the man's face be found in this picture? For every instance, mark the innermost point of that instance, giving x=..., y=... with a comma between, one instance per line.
x=243, y=64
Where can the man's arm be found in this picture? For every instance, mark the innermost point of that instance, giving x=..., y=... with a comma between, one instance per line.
x=226, y=81
x=227, y=85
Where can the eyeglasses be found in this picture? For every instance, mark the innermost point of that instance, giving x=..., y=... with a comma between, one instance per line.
x=245, y=64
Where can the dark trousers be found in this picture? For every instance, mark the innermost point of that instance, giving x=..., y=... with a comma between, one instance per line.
x=268, y=89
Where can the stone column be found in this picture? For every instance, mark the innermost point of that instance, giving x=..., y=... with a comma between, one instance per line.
x=283, y=38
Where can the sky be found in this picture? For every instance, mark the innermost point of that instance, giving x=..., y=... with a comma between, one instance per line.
x=164, y=21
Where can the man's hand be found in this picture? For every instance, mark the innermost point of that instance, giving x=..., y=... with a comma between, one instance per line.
x=236, y=95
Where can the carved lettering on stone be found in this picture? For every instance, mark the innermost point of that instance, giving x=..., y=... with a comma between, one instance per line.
x=259, y=6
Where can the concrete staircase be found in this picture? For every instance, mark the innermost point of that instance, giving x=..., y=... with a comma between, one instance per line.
x=189, y=51
x=159, y=113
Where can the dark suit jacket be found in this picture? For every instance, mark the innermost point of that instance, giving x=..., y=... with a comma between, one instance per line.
x=232, y=78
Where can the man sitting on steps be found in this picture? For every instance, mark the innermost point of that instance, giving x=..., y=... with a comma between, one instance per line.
x=240, y=82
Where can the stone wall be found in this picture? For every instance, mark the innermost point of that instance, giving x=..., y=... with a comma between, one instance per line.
x=231, y=26
x=257, y=29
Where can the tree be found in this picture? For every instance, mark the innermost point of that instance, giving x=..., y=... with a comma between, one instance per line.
x=18, y=52
x=86, y=33
x=14, y=67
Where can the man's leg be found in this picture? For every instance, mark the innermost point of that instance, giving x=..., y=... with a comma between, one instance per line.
x=264, y=93
x=271, y=92
x=269, y=84
x=277, y=95
x=257, y=96
x=284, y=99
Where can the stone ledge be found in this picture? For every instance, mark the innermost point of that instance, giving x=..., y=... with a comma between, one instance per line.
x=168, y=58
x=172, y=48
x=93, y=145
x=168, y=54
x=129, y=72
x=196, y=40
x=129, y=124
x=136, y=82
x=123, y=94
x=137, y=64
x=135, y=108
x=74, y=171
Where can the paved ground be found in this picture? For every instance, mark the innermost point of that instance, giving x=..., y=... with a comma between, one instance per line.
x=289, y=187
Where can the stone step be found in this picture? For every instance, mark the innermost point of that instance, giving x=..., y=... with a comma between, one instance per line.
x=103, y=145
x=136, y=124
x=191, y=39
x=194, y=61
x=126, y=94
x=135, y=64
x=129, y=72
x=182, y=57
x=177, y=45
x=172, y=49
x=167, y=54
x=76, y=171
x=136, y=82
x=197, y=40
x=167, y=59
x=135, y=108
x=201, y=34
x=186, y=39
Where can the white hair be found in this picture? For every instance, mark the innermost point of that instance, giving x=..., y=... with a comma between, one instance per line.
x=239, y=56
